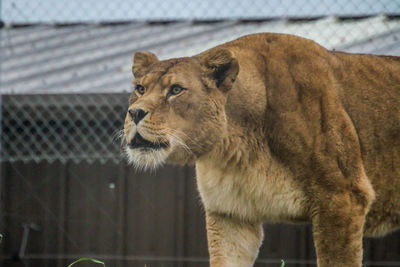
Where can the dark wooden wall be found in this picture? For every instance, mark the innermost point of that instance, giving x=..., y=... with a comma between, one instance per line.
x=129, y=218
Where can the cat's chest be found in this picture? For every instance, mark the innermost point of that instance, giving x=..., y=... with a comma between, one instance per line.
x=262, y=193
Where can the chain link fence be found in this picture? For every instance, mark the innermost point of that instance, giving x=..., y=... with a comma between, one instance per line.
x=62, y=127
x=73, y=11
x=85, y=48
x=65, y=79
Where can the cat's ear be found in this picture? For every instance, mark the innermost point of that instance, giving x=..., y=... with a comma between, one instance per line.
x=142, y=62
x=220, y=67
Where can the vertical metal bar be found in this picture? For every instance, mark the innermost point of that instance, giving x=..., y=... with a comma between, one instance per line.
x=1, y=125
x=121, y=221
x=1, y=95
x=180, y=218
x=63, y=213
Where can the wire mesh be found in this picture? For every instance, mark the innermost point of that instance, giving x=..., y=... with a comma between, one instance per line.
x=49, y=59
x=65, y=89
x=65, y=74
x=62, y=127
x=49, y=62
x=72, y=11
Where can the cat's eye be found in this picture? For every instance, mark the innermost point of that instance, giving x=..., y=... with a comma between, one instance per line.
x=175, y=90
x=140, y=89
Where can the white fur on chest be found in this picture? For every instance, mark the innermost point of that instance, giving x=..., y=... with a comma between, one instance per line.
x=263, y=192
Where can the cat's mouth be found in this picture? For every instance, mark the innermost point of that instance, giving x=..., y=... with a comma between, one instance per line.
x=138, y=142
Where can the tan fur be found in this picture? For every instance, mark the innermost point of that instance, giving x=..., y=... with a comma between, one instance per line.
x=280, y=129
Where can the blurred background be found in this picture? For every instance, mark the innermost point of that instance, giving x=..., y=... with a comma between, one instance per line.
x=66, y=191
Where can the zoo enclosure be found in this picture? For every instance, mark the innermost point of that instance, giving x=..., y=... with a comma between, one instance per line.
x=65, y=79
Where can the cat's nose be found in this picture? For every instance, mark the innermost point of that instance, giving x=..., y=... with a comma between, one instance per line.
x=137, y=114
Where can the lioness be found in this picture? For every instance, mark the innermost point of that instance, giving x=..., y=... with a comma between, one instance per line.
x=280, y=130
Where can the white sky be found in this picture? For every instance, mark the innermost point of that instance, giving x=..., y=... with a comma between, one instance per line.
x=31, y=11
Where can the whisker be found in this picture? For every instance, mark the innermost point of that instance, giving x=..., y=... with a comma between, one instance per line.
x=177, y=133
x=118, y=134
x=151, y=130
x=174, y=136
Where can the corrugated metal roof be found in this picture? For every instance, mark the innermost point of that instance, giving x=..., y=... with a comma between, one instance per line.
x=98, y=58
